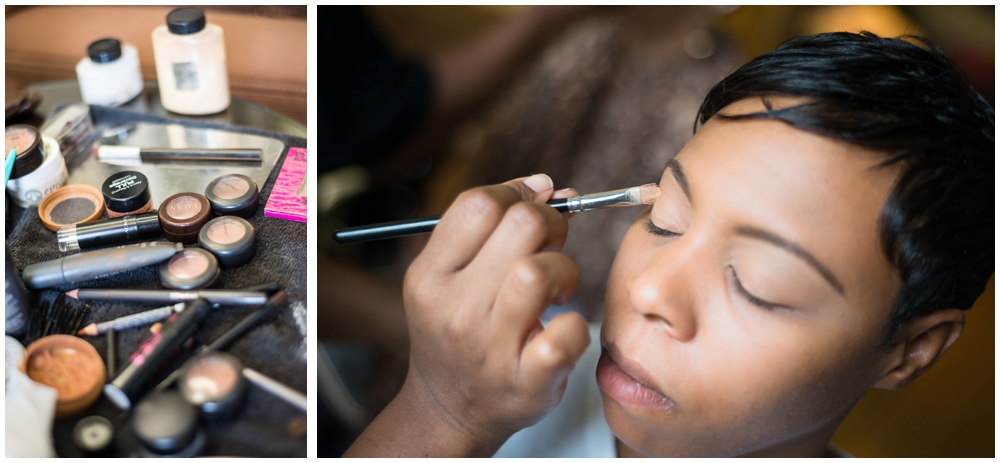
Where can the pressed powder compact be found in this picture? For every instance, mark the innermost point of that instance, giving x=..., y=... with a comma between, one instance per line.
x=70, y=205
x=95, y=436
x=233, y=194
x=27, y=143
x=127, y=193
x=71, y=366
x=215, y=384
x=192, y=268
x=230, y=238
x=167, y=426
x=183, y=215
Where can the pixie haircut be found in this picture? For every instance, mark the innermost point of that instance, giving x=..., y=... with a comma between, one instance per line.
x=904, y=99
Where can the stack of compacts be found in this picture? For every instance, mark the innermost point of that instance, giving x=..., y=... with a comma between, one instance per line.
x=210, y=386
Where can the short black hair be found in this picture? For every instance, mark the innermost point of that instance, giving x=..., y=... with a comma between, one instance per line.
x=904, y=98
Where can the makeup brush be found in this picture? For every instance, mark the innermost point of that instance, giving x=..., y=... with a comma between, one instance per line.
x=635, y=196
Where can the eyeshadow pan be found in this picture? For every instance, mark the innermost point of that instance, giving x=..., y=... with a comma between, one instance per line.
x=231, y=187
x=184, y=207
x=226, y=231
x=214, y=383
x=233, y=194
x=18, y=138
x=183, y=215
x=192, y=268
x=230, y=238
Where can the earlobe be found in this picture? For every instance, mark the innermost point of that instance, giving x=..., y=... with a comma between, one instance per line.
x=918, y=343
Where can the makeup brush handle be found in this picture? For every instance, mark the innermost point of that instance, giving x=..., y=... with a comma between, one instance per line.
x=386, y=230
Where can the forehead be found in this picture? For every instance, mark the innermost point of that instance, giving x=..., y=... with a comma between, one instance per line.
x=821, y=193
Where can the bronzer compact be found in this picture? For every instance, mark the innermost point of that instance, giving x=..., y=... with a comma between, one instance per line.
x=233, y=194
x=230, y=238
x=183, y=215
x=192, y=268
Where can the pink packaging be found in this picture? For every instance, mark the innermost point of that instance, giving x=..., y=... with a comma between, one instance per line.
x=288, y=197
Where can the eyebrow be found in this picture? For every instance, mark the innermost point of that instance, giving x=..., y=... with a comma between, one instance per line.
x=675, y=168
x=793, y=248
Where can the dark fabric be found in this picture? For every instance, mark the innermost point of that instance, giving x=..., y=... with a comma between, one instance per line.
x=369, y=100
x=275, y=348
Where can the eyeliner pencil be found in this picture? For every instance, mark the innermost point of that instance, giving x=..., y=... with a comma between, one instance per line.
x=635, y=196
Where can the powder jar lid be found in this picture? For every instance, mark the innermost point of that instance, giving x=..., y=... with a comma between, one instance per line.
x=30, y=150
x=184, y=213
x=230, y=238
x=95, y=436
x=192, y=268
x=167, y=425
x=70, y=205
x=233, y=194
x=126, y=192
x=215, y=384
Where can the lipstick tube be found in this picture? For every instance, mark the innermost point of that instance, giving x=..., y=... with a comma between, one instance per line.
x=153, y=353
x=107, y=232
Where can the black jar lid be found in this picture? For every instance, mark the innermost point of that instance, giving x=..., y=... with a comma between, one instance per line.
x=183, y=21
x=104, y=50
x=95, y=436
x=192, y=268
x=126, y=191
x=233, y=194
x=166, y=424
x=230, y=238
x=26, y=140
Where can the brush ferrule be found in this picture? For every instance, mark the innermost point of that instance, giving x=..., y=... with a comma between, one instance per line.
x=615, y=198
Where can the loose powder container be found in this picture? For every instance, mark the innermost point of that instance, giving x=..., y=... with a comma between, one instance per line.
x=70, y=205
x=215, y=384
x=189, y=269
x=230, y=238
x=127, y=193
x=30, y=149
x=31, y=187
x=233, y=194
x=183, y=215
x=71, y=366
x=95, y=436
x=167, y=426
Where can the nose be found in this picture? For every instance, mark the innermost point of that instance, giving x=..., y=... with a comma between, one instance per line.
x=664, y=292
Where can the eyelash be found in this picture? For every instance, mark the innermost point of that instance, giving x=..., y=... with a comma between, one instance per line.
x=750, y=297
x=652, y=228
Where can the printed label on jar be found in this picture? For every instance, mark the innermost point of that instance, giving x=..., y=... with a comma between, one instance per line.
x=186, y=76
x=124, y=183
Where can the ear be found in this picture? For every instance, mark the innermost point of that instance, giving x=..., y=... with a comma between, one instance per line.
x=917, y=344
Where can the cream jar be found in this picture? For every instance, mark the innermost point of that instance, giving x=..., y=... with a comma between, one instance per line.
x=110, y=74
x=29, y=189
x=190, y=59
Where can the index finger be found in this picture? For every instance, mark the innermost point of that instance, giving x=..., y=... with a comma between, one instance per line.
x=474, y=216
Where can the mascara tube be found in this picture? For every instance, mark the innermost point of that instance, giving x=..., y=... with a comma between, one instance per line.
x=107, y=232
x=154, y=353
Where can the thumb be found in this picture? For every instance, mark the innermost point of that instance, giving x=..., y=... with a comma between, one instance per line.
x=537, y=188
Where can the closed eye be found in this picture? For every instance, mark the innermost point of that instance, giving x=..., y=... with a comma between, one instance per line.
x=750, y=297
x=652, y=228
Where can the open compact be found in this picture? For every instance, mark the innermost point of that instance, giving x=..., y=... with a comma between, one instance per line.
x=71, y=366
x=230, y=238
x=183, y=215
x=215, y=384
x=233, y=194
x=192, y=268
x=27, y=143
x=70, y=205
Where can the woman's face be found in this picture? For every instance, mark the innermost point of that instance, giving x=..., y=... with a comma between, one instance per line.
x=746, y=307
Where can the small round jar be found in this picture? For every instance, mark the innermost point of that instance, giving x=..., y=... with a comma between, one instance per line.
x=167, y=426
x=94, y=436
x=230, y=238
x=192, y=268
x=30, y=188
x=233, y=194
x=70, y=205
x=71, y=366
x=28, y=146
x=215, y=384
x=183, y=215
x=127, y=193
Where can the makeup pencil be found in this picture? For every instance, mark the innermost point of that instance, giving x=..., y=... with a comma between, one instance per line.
x=635, y=196
x=159, y=296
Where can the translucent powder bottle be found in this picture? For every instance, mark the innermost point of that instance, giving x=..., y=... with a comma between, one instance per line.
x=191, y=63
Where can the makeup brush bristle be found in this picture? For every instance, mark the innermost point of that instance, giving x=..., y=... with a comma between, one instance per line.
x=649, y=192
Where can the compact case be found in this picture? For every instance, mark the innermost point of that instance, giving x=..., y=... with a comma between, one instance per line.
x=233, y=194
x=215, y=384
x=30, y=151
x=167, y=426
x=230, y=238
x=183, y=215
x=189, y=269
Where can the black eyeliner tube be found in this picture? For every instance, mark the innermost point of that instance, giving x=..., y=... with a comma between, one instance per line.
x=153, y=353
x=107, y=232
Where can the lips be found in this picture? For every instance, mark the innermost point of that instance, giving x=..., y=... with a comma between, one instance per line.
x=626, y=382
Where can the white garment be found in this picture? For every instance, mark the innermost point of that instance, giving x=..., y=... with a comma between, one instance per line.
x=576, y=428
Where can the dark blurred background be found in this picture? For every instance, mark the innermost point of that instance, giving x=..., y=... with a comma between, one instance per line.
x=598, y=98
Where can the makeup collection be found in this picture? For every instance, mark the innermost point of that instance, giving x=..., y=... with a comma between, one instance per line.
x=211, y=385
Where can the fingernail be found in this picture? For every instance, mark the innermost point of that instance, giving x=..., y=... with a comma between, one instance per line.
x=565, y=190
x=539, y=183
